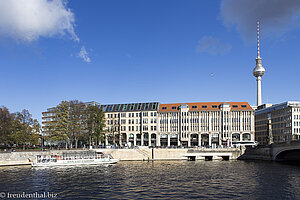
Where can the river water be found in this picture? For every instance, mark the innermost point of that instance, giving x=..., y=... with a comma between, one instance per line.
x=158, y=180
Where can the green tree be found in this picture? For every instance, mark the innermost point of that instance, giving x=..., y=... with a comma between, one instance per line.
x=77, y=120
x=96, y=124
x=6, y=126
x=18, y=128
x=26, y=129
x=58, y=129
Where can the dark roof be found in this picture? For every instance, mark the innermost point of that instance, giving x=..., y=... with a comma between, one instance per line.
x=131, y=107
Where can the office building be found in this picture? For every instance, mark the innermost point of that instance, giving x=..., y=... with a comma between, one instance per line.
x=277, y=123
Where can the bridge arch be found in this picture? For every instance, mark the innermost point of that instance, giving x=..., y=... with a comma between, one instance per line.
x=288, y=155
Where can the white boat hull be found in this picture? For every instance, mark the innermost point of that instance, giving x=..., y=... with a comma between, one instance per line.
x=75, y=162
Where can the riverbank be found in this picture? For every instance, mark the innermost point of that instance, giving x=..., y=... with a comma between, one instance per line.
x=136, y=154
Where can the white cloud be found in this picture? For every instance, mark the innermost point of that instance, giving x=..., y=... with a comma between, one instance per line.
x=84, y=55
x=213, y=46
x=276, y=16
x=28, y=20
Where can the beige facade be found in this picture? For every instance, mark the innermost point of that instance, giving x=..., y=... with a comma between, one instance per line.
x=173, y=125
x=131, y=124
x=205, y=124
x=192, y=124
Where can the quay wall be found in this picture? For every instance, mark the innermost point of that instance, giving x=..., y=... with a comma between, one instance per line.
x=146, y=153
x=217, y=154
x=257, y=153
x=169, y=154
x=22, y=158
x=138, y=154
x=18, y=158
x=128, y=154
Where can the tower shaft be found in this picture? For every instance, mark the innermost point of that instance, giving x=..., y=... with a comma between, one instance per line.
x=259, y=101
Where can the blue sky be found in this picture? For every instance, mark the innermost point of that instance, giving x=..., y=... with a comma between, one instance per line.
x=139, y=51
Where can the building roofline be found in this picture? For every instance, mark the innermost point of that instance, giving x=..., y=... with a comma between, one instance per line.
x=209, y=106
x=277, y=107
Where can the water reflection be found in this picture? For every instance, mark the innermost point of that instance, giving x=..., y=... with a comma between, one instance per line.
x=159, y=179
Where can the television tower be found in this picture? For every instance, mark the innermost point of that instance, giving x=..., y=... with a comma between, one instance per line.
x=259, y=70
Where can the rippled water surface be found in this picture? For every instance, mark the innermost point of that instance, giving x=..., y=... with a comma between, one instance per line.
x=159, y=180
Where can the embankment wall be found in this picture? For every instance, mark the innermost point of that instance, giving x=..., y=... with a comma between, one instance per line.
x=257, y=153
x=138, y=154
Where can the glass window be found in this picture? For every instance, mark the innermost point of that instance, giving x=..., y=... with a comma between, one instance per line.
x=110, y=107
x=131, y=107
x=153, y=106
x=139, y=106
x=145, y=114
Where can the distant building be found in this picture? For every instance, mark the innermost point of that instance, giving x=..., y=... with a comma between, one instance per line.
x=47, y=116
x=277, y=123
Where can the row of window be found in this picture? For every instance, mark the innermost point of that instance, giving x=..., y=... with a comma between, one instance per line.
x=296, y=116
x=124, y=107
x=196, y=120
x=296, y=109
x=145, y=114
x=204, y=106
x=48, y=114
x=131, y=121
x=137, y=128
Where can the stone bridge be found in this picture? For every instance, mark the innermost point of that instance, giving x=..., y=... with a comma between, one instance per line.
x=285, y=151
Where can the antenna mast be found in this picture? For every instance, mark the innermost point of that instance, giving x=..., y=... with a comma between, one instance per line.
x=258, y=53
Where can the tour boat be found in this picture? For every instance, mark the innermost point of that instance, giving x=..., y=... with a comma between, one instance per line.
x=74, y=158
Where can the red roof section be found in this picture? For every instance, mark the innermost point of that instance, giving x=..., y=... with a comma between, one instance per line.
x=210, y=106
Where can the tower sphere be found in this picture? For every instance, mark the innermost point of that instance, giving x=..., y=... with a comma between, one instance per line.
x=259, y=70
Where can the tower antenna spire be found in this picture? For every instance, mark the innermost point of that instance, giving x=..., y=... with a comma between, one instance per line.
x=258, y=52
x=259, y=70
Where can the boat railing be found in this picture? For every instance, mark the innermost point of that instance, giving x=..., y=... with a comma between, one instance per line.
x=72, y=156
x=46, y=159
